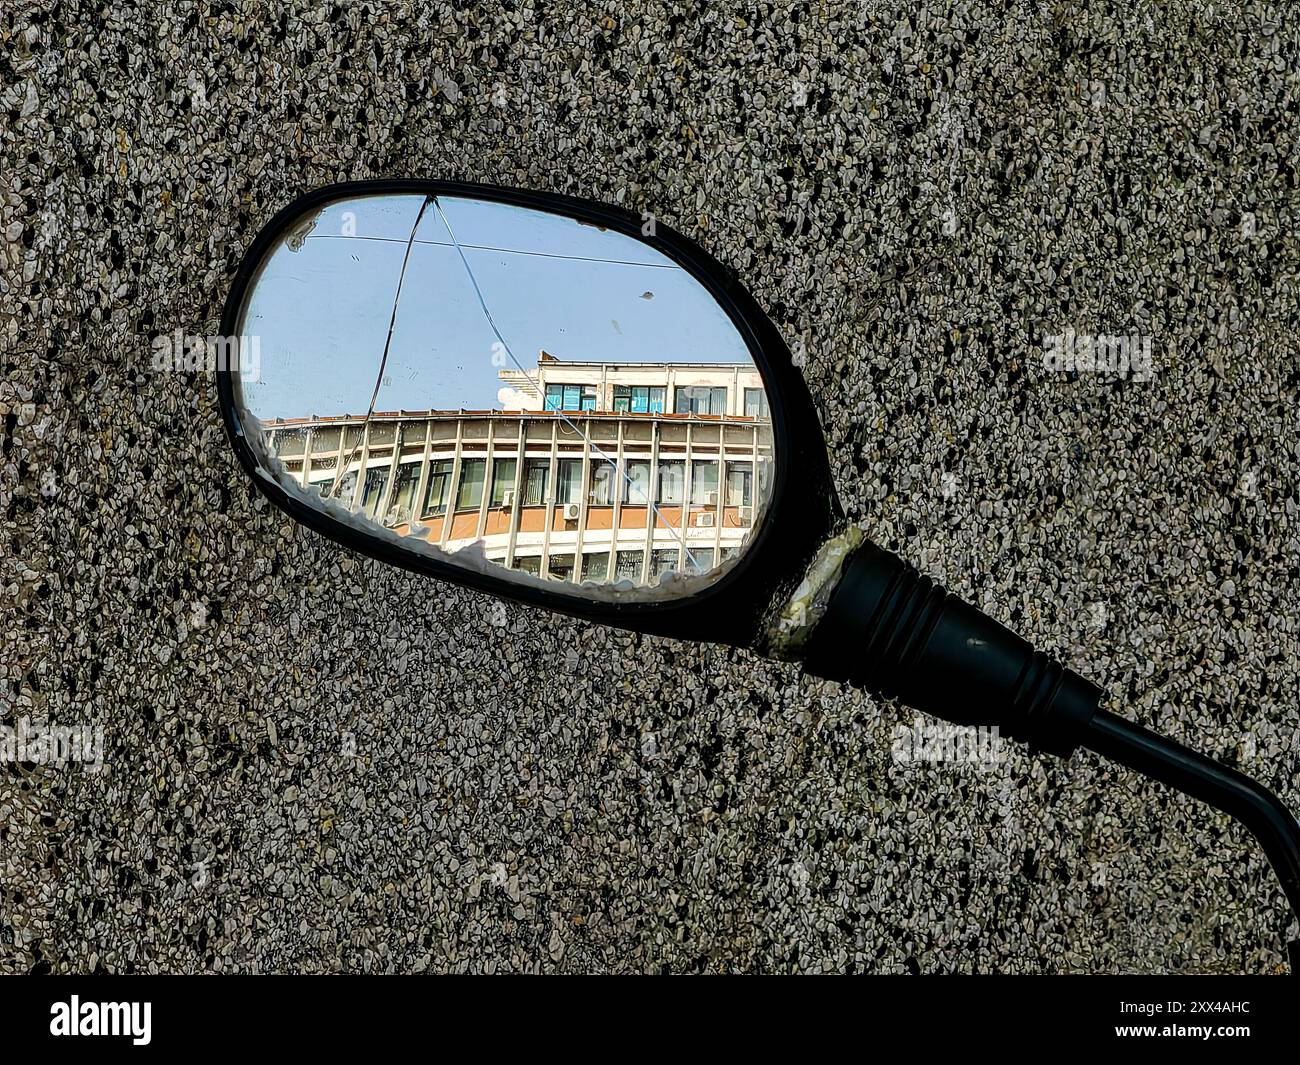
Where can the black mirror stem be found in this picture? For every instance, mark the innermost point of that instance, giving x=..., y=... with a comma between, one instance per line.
x=890, y=630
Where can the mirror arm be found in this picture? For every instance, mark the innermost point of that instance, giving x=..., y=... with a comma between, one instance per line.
x=890, y=630
x=1236, y=794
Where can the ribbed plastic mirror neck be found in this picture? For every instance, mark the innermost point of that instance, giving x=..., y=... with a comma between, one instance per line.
x=892, y=631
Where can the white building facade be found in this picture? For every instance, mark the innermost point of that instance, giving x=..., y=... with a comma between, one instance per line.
x=600, y=472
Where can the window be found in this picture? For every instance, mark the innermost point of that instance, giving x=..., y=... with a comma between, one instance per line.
x=740, y=484
x=470, y=493
x=568, y=481
x=503, y=480
x=347, y=485
x=322, y=474
x=408, y=479
x=704, y=480
x=289, y=442
x=595, y=566
x=435, y=496
x=325, y=440
x=639, y=399
x=662, y=562
x=700, y=400
x=728, y=553
x=601, y=493
x=672, y=482
x=373, y=489
x=560, y=568
x=628, y=566
x=411, y=434
x=570, y=397
x=536, y=472
x=529, y=564
x=755, y=403
x=699, y=560
x=636, y=489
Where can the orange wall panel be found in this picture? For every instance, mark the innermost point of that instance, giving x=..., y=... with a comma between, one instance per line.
x=498, y=521
x=532, y=519
x=464, y=526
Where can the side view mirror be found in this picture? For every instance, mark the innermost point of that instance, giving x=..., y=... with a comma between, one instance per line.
x=553, y=401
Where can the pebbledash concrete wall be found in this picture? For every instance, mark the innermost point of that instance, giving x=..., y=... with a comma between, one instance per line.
x=313, y=762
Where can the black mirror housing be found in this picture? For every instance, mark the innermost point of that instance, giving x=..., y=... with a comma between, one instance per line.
x=802, y=512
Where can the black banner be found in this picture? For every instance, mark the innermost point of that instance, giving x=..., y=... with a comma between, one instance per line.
x=213, y=1014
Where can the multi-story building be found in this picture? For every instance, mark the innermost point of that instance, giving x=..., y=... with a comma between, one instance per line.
x=726, y=389
x=597, y=471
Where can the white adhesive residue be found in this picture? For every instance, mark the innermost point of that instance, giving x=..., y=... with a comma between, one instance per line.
x=788, y=634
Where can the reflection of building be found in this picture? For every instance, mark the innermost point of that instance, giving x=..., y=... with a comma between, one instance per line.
x=636, y=388
x=603, y=472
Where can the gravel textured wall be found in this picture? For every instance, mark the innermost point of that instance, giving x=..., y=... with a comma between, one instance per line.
x=313, y=763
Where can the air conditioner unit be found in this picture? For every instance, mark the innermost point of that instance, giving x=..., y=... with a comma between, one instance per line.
x=711, y=499
x=508, y=497
x=746, y=515
x=571, y=511
x=705, y=521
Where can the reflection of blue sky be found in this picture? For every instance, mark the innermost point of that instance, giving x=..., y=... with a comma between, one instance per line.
x=322, y=312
